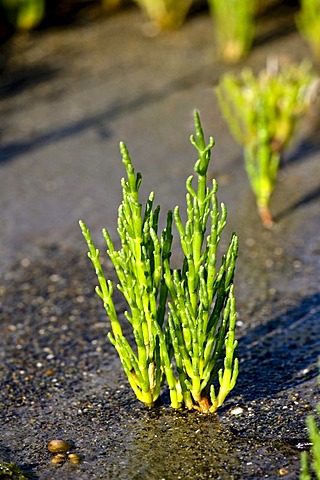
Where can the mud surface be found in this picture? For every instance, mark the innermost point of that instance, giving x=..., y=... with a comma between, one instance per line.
x=68, y=96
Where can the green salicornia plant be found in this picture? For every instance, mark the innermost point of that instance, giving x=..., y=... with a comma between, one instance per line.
x=165, y=14
x=190, y=341
x=308, y=23
x=262, y=113
x=234, y=23
x=314, y=435
x=202, y=315
x=138, y=265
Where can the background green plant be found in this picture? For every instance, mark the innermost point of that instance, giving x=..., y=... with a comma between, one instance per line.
x=189, y=348
x=234, y=26
x=308, y=23
x=165, y=14
x=24, y=14
x=234, y=20
x=262, y=113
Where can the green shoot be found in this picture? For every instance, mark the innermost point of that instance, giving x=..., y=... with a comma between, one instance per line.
x=165, y=14
x=308, y=23
x=202, y=306
x=234, y=24
x=262, y=113
x=138, y=265
x=187, y=344
x=314, y=435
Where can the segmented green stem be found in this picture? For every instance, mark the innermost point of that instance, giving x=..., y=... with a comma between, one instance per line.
x=138, y=265
x=200, y=315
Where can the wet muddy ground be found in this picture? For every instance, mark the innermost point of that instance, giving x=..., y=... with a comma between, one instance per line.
x=68, y=95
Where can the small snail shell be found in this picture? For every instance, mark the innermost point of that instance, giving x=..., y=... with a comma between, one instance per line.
x=59, y=446
x=74, y=458
x=58, y=459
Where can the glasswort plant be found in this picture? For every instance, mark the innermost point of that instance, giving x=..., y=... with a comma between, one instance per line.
x=308, y=23
x=138, y=265
x=202, y=314
x=165, y=14
x=262, y=113
x=234, y=24
x=186, y=344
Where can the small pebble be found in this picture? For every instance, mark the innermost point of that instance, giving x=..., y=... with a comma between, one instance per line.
x=236, y=411
x=25, y=262
x=59, y=446
x=283, y=471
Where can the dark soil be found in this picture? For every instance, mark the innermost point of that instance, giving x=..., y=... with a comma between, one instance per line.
x=61, y=379
x=69, y=95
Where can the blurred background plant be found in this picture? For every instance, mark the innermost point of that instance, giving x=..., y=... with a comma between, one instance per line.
x=314, y=436
x=24, y=14
x=308, y=24
x=235, y=21
x=234, y=26
x=29, y=14
x=165, y=14
x=111, y=5
x=262, y=113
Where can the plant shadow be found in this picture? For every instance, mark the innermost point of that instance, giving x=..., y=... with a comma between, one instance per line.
x=281, y=353
x=100, y=121
x=306, y=148
x=308, y=198
x=24, y=77
x=278, y=21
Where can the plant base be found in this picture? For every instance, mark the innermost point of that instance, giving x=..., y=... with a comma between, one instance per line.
x=266, y=216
